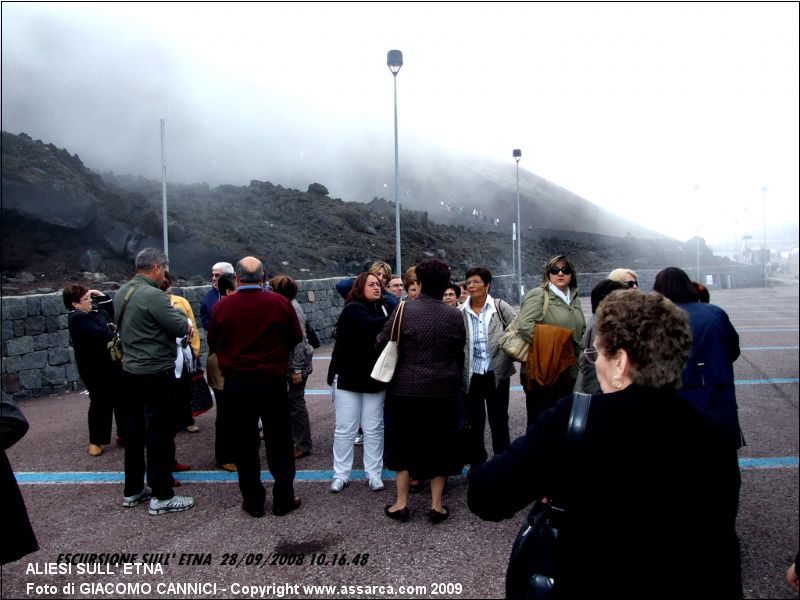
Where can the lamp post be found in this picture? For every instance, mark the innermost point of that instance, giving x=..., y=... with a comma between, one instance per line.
x=764, y=238
x=164, y=187
x=697, y=237
x=394, y=60
x=517, y=155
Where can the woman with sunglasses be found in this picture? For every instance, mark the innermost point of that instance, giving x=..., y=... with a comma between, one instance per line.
x=560, y=288
x=628, y=278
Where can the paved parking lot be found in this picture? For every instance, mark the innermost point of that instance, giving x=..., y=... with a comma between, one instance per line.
x=345, y=541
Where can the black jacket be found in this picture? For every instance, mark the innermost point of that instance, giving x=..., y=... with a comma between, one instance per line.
x=651, y=495
x=354, y=353
x=90, y=334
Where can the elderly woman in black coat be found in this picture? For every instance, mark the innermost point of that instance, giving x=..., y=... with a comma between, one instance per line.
x=648, y=490
x=90, y=319
x=422, y=407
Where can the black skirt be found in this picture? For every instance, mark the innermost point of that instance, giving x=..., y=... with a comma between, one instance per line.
x=421, y=435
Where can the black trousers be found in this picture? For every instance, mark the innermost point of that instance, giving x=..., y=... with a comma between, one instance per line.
x=539, y=398
x=106, y=398
x=224, y=432
x=266, y=396
x=482, y=391
x=151, y=431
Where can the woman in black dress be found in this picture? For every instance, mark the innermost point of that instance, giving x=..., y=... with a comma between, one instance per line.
x=422, y=407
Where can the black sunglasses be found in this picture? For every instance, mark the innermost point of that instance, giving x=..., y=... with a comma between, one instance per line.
x=557, y=270
x=630, y=284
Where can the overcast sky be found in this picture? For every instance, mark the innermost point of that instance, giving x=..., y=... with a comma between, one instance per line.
x=675, y=115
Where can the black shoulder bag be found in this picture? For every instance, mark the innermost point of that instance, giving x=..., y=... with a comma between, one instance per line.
x=115, y=345
x=532, y=565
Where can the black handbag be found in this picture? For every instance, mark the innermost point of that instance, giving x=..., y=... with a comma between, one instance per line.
x=312, y=336
x=533, y=564
x=201, y=394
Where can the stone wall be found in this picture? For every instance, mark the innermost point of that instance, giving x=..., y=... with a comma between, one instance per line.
x=37, y=359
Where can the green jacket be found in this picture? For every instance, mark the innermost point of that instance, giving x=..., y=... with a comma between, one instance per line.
x=150, y=325
x=558, y=313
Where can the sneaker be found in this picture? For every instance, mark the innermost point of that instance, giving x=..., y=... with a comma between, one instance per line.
x=359, y=439
x=338, y=484
x=375, y=484
x=131, y=501
x=95, y=450
x=174, y=504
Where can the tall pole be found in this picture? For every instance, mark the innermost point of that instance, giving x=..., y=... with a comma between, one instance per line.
x=514, y=256
x=697, y=238
x=764, y=234
x=394, y=60
x=520, y=288
x=164, y=187
x=396, y=185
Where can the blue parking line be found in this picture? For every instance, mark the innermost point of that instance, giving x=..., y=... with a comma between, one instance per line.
x=79, y=477
x=748, y=348
x=747, y=329
x=763, y=381
x=769, y=463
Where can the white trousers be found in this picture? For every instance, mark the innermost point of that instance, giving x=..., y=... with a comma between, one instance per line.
x=354, y=409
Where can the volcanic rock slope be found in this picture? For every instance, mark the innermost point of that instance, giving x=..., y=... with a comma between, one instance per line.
x=61, y=220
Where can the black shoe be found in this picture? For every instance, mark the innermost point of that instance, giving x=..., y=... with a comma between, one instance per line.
x=401, y=515
x=257, y=513
x=434, y=516
x=279, y=512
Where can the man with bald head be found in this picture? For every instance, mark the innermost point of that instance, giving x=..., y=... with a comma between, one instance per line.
x=253, y=333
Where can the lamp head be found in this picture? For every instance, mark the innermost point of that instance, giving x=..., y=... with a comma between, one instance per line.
x=394, y=60
x=517, y=154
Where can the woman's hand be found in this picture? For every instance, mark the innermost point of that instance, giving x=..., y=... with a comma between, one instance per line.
x=297, y=378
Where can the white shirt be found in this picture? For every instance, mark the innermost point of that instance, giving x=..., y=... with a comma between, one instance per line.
x=479, y=332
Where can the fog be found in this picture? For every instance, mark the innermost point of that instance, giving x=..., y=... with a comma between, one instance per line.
x=675, y=116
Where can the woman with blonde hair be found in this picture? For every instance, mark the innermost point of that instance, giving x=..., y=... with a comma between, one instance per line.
x=626, y=277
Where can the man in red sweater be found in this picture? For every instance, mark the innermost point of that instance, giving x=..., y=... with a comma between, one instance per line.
x=253, y=332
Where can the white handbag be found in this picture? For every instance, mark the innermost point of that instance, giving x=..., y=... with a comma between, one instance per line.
x=385, y=365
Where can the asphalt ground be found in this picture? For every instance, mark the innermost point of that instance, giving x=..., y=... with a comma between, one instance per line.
x=75, y=502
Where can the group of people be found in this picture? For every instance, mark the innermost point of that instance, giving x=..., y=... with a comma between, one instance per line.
x=659, y=366
x=251, y=338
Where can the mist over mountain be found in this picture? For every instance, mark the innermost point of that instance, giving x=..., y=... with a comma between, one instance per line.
x=62, y=219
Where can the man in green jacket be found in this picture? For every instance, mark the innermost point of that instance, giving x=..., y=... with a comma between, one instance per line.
x=148, y=326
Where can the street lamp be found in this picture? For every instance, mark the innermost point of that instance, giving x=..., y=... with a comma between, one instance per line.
x=164, y=187
x=517, y=155
x=394, y=60
x=764, y=253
